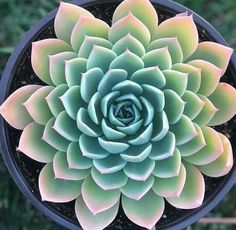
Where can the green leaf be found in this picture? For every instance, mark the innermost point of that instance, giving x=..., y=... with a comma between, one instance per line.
x=170, y=187
x=57, y=190
x=137, y=189
x=90, y=221
x=32, y=145
x=146, y=211
x=193, y=192
x=13, y=110
x=168, y=167
x=129, y=24
x=97, y=199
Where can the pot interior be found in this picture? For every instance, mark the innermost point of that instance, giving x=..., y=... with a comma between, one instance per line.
x=30, y=169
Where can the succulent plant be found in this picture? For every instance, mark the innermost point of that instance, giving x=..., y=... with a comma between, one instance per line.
x=126, y=113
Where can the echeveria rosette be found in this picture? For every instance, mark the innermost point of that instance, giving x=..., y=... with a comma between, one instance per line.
x=126, y=114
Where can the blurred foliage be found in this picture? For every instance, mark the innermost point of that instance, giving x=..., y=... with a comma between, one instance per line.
x=16, y=17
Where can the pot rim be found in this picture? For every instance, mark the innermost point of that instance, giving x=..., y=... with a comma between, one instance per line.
x=5, y=83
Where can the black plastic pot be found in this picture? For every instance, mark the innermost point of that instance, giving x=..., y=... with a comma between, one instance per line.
x=25, y=171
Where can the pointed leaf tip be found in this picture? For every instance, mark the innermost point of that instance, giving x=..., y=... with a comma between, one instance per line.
x=13, y=110
x=40, y=56
x=146, y=211
x=193, y=192
x=177, y=27
x=66, y=18
x=224, y=99
x=97, y=199
x=142, y=9
x=214, y=53
x=90, y=221
x=57, y=190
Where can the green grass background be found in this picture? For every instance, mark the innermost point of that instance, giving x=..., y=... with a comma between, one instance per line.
x=16, y=17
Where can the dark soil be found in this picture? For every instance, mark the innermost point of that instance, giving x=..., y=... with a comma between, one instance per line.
x=30, y=169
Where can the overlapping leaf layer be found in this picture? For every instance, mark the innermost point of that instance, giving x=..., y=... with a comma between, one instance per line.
x=126, y=114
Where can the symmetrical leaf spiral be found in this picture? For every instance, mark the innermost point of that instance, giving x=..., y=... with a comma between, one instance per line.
x=126, y=113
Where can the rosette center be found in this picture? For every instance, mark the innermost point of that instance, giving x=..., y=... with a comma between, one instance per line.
x=124, y=112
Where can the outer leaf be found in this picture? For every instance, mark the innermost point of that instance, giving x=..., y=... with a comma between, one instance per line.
x=109, y=181
x=66, y=18
x=193, y=191
x=57, y=190
x=224, y=99
x=37, y=105
x=12, y=109
x=33, y=146
x=207, y=112
x=193, y=105
x=57, y=66
x=88, y=26
x=170, y=187
x=141, y=9
x=137, y=189
x=97, y=199
x=76, y=158
x=40, y=56
x=194, y=75
x=146, y=211
x=212, y=150
x=214, y=53
x=177, y=27
x=53, y=99
x=90, y=221
x=62, y=171
x=193, y=146
x=184, y=130
x=53, y=138
x=223, y=164
x=173, y=45
x=210, y=76
x=129, y=24
x=169, y=167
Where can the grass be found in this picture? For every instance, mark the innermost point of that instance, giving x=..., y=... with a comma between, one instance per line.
x=16, y=17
